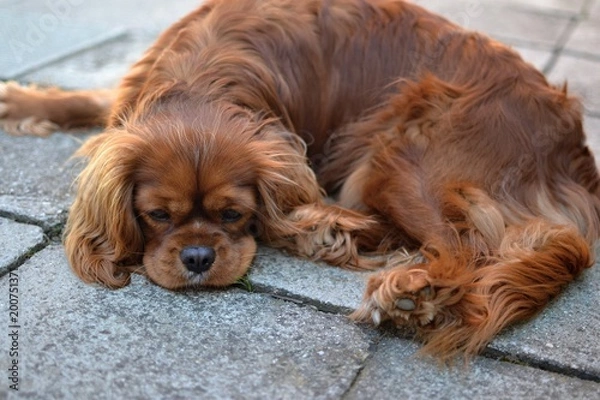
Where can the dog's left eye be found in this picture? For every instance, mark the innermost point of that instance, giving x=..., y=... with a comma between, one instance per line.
x=159, y=215
x=230, y=215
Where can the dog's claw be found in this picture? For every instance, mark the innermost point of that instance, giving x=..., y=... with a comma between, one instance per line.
x=376, y=316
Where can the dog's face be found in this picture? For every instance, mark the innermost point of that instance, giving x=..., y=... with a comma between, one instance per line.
x=195, y=200
x=184, y=192
x=178, y=194
x=198, y=217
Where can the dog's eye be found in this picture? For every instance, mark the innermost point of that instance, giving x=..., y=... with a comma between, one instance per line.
x=230, y=215
x=159, y=215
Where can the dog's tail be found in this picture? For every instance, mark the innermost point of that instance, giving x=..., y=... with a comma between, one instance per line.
x=29, y=110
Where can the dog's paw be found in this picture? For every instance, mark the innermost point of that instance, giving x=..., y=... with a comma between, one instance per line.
x=17, y=112
x=406, y=296
x=401, y=294
x=326, y=228
x=330, y=234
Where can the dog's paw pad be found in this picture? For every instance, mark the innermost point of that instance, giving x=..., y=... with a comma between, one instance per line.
x=406, y=304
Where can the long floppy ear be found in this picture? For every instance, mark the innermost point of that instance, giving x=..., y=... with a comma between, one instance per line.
x=102, y=232
x=285, y=181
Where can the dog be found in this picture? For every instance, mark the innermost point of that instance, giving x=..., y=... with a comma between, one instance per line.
x=247, y=117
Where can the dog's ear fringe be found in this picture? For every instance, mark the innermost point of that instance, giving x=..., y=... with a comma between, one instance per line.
x=285, y=181
x=101, y=231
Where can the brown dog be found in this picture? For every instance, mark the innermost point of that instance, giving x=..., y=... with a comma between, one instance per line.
x=429, y=137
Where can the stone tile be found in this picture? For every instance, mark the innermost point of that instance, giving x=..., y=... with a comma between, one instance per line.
x=583, y=77
x=86, y=342
x=16, y=241
x=35, y=177
x=559, y=337
x=592, y=130
x=563, y=336
x=566, y=7
x=595, y=8
x=133, y=16
x=504, y=22
x=104, y=65
x=33, y=38
x=539, y=58
x=138, y=15
x=329, y=288
x=100, y=67
x=585, y=38
x=394, y=372
x=570, y=6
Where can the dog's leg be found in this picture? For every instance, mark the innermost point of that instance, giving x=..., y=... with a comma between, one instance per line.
x=482, y=272
x=533, y=264
x=426, y=293
x=40, y=112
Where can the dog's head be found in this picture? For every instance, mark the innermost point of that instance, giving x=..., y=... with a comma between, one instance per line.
x=184, y=196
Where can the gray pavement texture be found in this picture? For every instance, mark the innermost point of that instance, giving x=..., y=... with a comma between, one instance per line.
x=285, y=335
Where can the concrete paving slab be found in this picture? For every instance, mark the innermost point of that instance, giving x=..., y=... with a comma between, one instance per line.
x=101, y=67
x=505, y=22
x=583, y=77
x=594, y=8
x=33, y=38
x=539, y=58
x=569, y=6
x=36, y=177
x=139, y=15
x=564, y=7
x=329, y=288
x=133, y=15
x=395, y=372
x=16, y=241
x=79, y=341
x=592, y=130
x=585, y=38
x=564, y=336
x=106, y=65
x=557, y=339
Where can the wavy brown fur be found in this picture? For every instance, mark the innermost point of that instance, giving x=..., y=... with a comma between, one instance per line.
x=430, y=137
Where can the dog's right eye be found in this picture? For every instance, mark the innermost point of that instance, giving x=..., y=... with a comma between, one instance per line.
x=230, y=215
x=159, y=215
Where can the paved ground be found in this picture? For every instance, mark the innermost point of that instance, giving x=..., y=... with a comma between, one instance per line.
x=287, y=338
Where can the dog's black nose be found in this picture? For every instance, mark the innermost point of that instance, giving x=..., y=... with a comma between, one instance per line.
x=197, y=258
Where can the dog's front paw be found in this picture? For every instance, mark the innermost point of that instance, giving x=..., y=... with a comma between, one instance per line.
x=328, y=229
x=18, y=109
